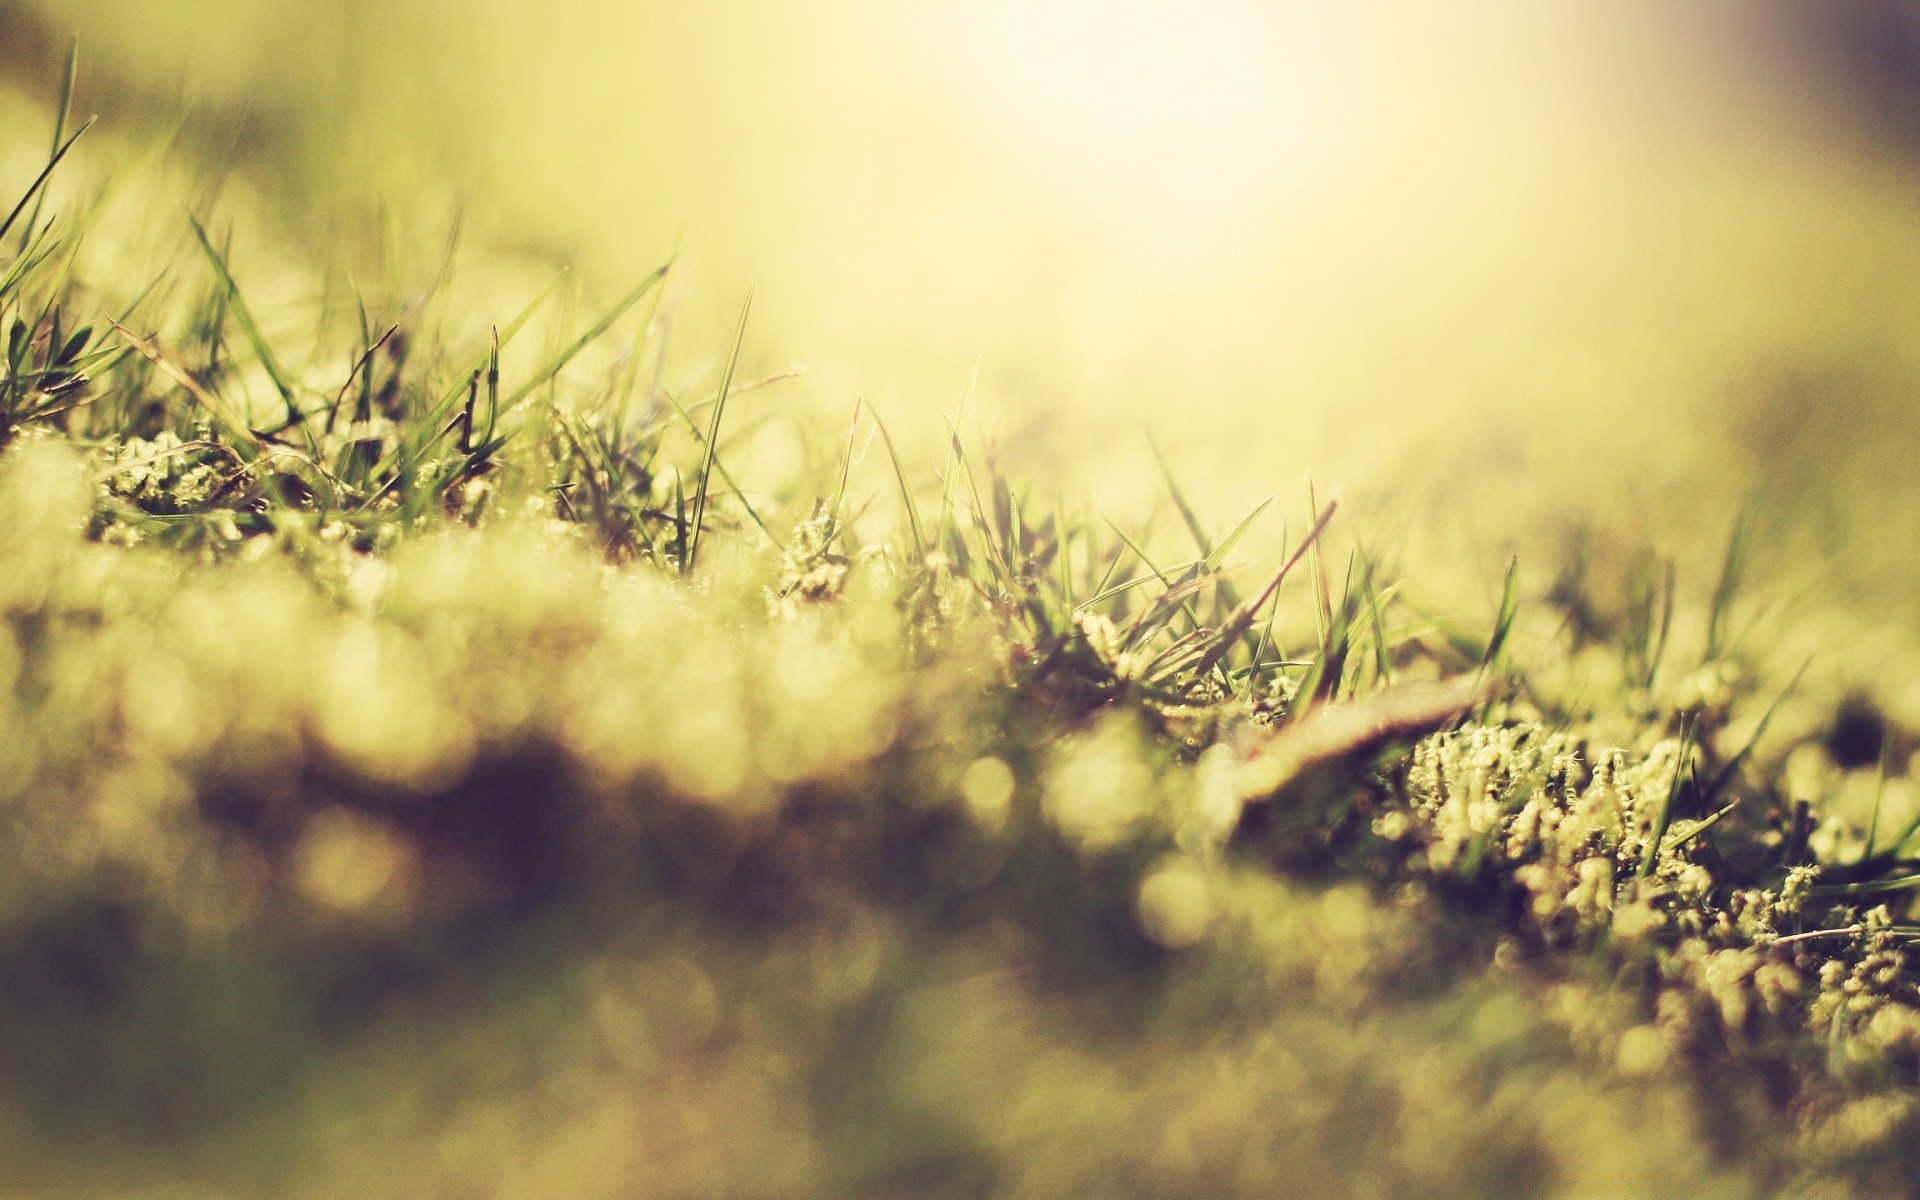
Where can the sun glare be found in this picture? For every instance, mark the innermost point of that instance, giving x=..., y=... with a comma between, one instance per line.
x=1167, y=95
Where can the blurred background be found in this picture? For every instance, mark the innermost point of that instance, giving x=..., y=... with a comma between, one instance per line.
x=1357, y=238
x=1606, y=251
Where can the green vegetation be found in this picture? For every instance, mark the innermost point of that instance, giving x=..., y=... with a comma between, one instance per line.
x=443, y=759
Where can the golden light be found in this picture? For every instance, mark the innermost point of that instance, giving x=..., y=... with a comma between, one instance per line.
x=1153, y=97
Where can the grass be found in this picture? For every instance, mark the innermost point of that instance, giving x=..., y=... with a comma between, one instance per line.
x=434, y=770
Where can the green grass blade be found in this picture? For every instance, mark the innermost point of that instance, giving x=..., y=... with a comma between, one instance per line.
x=1690, y=830
x=906, y=491
x=1663, y=820
x=1726, y=774
x=1063, y=552
x=713, y=430
x=1317, y=567
x=1732, y=570
x=1382, y=662
x=40, y=182
x=1218, y=557
x=244, y=315
x=1879, y=797
x=1871, y=887
x=426, y=433
x=61, y=116
x=720, y=468
x=846, y=468
x=1670, y=589
x=1187, y=516
x=1242, y=618
x=1503, y=623
x=955, y=452
x=600, y=327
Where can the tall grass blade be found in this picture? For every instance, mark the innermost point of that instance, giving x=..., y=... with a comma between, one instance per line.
x=188, y=384
x=1503, y=623
x=906, y=492
x=244, y=315
x=1727, y=772
x=600, y=327
x=713, y=430
x=40, y=182
x=1190, y=519
x=1879, y=797
x=955, y=452
x=1732, y=571
x=719, y=467
x=1663, y=820
x=61, y=116
x=1242, y=618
